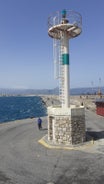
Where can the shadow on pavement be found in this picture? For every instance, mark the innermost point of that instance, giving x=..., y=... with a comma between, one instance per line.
x=95, y=135
x=43, y=129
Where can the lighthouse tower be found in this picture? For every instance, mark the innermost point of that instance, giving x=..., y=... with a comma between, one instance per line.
x=62, y=27
x=66, y=123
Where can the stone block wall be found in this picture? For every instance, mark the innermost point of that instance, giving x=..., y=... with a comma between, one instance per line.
x=78, y=129
x=63, y=130
x=67, y=129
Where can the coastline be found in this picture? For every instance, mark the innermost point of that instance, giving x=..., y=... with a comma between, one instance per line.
x=53, y=100
x=87, y=100
x=49, y=100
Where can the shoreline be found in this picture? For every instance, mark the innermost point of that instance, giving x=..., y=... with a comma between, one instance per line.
x=49, y=100
x=87, y=100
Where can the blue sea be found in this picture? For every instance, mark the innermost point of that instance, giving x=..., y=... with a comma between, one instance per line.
x=22, y=107
x=13, y=108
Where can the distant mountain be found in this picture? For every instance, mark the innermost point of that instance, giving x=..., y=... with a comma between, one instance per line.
x=8, y=91
x=73, y=91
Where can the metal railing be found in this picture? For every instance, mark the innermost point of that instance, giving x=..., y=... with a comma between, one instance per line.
x=73, y=18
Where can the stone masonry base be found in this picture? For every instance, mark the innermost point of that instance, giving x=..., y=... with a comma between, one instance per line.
x=66, y=126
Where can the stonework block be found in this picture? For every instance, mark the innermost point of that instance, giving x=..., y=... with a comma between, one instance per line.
x=67, y=129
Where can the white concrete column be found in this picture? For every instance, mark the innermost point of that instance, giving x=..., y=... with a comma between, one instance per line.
x=65, y=62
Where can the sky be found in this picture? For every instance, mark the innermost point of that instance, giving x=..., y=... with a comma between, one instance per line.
x=26, y=50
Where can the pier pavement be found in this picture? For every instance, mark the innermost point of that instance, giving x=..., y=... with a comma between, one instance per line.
x=23, y=160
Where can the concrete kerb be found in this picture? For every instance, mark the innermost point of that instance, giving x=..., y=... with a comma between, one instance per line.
x=44, y=141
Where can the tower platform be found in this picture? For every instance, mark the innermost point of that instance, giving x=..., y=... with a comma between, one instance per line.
x=72, y=30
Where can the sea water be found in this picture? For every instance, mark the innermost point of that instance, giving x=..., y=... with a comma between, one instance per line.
x=19, y=107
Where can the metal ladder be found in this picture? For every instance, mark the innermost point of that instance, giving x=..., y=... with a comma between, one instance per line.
x=56, y=48
x=61, y=78
x=59, y=67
